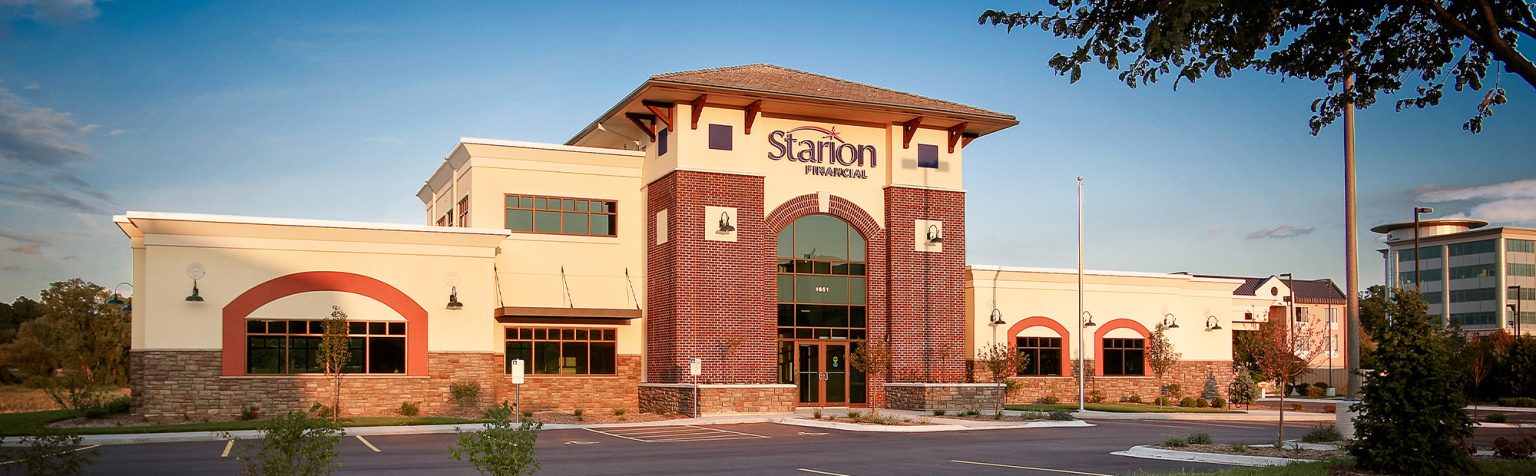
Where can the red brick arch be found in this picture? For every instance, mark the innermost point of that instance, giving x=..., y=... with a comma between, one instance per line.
x=277, y=288
x=801, y=206
x=1098, y=339
x=1039, y=321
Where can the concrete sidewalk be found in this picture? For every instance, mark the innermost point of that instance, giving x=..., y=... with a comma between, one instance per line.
x=1250, y=415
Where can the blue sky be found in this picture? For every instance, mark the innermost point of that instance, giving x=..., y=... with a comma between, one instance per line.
x=340, y=111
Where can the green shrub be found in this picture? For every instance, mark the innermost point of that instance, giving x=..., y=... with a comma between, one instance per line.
x=321, y=410
x=579, y=414
x=1520, y=449
x=1314, y=392
x=1032, y=415
x=1239, y=448
x=1175, y=442
x=1048, y=400
x=1061, y=416
x=1496, y=417
x=1201, y=403
x=100, y=408
x=1173, y=390
x=853, y=415
x=409, y=409
x=292, y=443
x=465, y=393
x=1201, y=438
x=1321, y=385
x=1322, y=434
x=499, y=448
x=816, y=413
x=1218, y=402
x=1160, y=401
x=1187, y=402
x=1526, y=402
x=618, y=412
x=1132, y=398
x=51, y=451
x=1095, y=396
x=938, y=412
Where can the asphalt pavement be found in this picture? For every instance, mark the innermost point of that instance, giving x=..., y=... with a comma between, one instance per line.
x=756, y=448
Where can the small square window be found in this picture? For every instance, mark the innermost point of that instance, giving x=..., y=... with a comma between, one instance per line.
x=720, y=137
x=928, y=156
x=661, y=142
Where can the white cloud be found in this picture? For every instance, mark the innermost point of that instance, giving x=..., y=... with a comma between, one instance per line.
x=32, y=86
x=1504, y=202
x=117, y=132
x=88, y=129
x=1282, y=231
x=39, y=151
x=52, y=11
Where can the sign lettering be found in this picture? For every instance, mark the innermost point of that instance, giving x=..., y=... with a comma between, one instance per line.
x=825, y=146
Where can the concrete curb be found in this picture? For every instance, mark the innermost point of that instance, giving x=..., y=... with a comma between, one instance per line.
x=1504, y=425
x=931, y=428
x=1252, y=416
x=1149, y=452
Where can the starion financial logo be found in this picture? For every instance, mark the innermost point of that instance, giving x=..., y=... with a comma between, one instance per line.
x=819, y=145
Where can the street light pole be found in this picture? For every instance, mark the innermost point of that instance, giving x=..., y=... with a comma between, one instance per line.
x=1517, y=290
x=1080, y=387
x=1290, y=318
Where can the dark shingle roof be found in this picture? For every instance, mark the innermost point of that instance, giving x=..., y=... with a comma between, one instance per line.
x=1309, y=291
x=781, y=80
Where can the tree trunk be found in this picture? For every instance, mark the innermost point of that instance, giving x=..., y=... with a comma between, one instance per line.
x=1280, y=440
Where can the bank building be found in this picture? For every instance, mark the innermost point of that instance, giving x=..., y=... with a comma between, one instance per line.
x=763, y=220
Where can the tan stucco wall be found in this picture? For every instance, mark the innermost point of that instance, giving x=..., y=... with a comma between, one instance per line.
x=1142, y=298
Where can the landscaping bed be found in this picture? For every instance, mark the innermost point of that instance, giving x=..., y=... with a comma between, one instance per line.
x=596, y=418
x=1116, y=408
x=1258, y=450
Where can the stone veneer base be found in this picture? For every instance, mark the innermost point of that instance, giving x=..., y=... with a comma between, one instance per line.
x=717, y=399
x=942, y=396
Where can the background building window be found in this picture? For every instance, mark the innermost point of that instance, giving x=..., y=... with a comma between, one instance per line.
x=561, y=216
x=1042, y=355
x=1124, y=356
x=563, y=351
x=464, y=211
x=292, y=347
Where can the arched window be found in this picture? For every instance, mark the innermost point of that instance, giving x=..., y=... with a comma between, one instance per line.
x=821, y=280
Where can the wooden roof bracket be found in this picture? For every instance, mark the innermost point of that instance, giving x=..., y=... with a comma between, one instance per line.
x=698, y=108
x=954, y=135
x=908, y=129
x=646, y=123
x=662, y=110
x=752, y=111
x=966, y=138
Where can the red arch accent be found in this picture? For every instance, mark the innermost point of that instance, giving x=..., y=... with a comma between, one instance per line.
x=808, y=204
x=1038, y=321
x=1098, y=339
x=277, y=288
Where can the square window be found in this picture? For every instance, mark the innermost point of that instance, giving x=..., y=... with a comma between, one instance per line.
x=928, y=156
x=720, y=137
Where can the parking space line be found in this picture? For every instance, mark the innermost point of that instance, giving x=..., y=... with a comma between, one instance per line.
x=228, y=445
x=366, y=443
x=729, y=431
x=601, y=432
x=1051, y=470
x=82, y=448
x=680, y=429
x=808, y=470
x=701, y=438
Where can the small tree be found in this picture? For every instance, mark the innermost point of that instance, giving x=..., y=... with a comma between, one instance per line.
x=55, y=452
x=1211, y=391
x=501, y=448
x=1161, y=358
x=873, y=357
x=1411, y=407
x=292, y=444
x=1001, y=362
x=1275, y=348
x=334, y=353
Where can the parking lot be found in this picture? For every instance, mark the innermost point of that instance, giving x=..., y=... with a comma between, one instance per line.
x=757, y=448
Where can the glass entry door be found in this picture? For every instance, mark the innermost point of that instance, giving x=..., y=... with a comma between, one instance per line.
x=822, y=374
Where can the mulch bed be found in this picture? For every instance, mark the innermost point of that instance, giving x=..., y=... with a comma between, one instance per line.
x=1265, y=450
x=990, y=418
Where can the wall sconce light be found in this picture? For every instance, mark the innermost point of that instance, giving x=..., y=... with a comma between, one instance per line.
x=997, y=317
x=725, y=224
x=1212, y=324
x=1090, y=323
x=452, y=280
x=1170, y=322
x=453, y=299
x=117, y=297
x=934, y=235
x=196, y=272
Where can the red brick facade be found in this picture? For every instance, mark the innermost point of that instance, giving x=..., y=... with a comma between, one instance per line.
x=927, y=291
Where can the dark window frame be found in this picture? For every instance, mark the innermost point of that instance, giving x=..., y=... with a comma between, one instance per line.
x=464, y=211
x=1116, y=352
x=1035, y=348
x=364, y=331
x=794, y=266
x=540, y=337
x=613, y=215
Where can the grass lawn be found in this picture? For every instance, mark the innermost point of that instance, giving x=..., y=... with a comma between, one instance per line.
x=12, y=424
x=1491, y=467
x=1116, y=408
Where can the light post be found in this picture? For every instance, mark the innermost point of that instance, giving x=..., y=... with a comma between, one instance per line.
x=1290, y=318
x=1417, y=284
x=1080, y=312
x=1517, y=289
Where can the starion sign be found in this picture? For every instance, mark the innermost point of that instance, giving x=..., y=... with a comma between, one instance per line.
x=828, y=147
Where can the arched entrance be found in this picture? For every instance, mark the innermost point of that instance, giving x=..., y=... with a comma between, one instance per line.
x=822, y=309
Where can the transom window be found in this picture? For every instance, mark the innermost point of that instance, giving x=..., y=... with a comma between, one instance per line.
x=562, y=351
x=821, y=283
x=291, y=347
x=1041, y=355
x=561, y=216
x=1124, y=356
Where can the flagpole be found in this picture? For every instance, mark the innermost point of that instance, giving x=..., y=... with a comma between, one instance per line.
x=1080, y=387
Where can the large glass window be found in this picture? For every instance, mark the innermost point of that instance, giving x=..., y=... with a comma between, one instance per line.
x=1519, y=246
x=563, y=351
x=1471, y=248
x=561, y=216
x=292, y=347
x=1040, y=355
x=821, y=280
x=1124, y=356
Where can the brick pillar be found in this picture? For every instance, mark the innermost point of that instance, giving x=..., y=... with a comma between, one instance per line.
x=926, y=289
x=710, y=299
